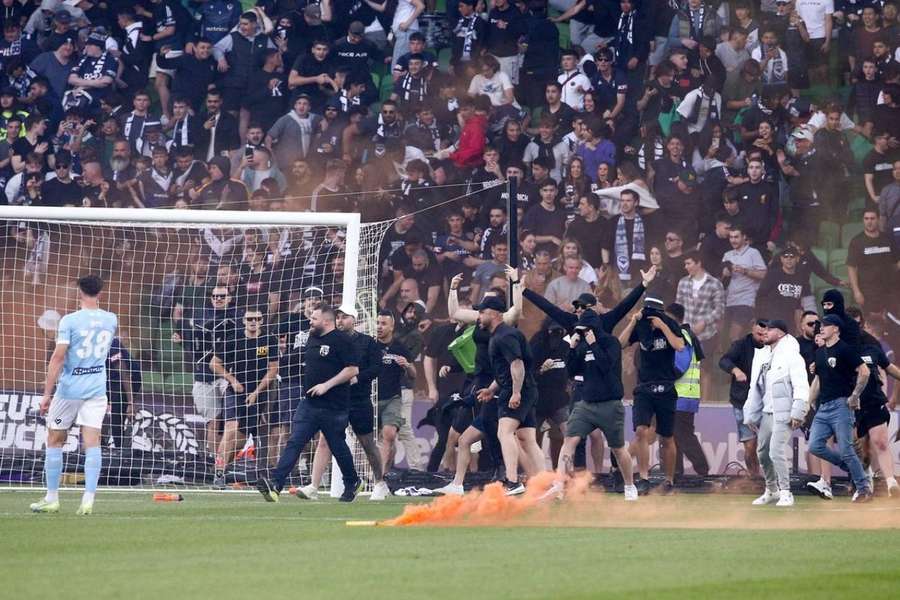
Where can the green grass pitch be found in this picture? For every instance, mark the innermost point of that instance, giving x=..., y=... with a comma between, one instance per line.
x=237, y=546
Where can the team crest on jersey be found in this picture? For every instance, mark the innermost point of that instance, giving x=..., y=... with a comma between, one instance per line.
x=262, y=351
x=324, y=350
x=832, y=362
x=659, y=344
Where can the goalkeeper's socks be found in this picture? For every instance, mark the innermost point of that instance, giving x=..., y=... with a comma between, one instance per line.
x=93, y=460
x=53, y=463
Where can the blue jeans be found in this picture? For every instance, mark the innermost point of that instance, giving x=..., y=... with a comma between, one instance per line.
x=307, y=421
x=835, y=418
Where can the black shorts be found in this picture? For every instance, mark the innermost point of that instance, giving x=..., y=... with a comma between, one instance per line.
x=524, y=414
x=649, y=403
x=236, y=409
x=868, y=417
x=463, y=418
x=362, y=416
x=814, y=56
x=486, y=419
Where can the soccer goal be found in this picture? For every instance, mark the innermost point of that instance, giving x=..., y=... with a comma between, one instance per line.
x=181, y=282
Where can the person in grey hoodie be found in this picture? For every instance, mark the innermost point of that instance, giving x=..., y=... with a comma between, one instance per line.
x=776, y=405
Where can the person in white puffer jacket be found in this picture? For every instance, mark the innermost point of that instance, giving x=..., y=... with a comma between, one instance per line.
x=776, y=405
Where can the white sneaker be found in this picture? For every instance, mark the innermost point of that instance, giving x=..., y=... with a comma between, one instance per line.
x=893, y=488
x=870, y=475
x=785, y=498
x=42, y=506
x=767, y=498
x=380, y=492
x=308, y=492
x=631, y=493
x=820, y=489
x=451, y=489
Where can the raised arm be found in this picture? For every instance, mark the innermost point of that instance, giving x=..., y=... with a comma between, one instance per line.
x=465, y=316
x=621, y=309
x=566, y=319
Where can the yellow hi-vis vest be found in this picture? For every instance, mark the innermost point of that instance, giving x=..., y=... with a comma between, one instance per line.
x=688, y=386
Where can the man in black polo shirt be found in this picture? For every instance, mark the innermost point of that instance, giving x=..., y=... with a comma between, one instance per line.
x=329, y=366
x=396, y=362
x=512, y=366
x=660, y=338
x=361, y=413
x=841, y=376
x=248, y=361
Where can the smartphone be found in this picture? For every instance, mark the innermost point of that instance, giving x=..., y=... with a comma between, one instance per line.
x=248, y=152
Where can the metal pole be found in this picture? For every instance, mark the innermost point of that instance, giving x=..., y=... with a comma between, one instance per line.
x=513, y=225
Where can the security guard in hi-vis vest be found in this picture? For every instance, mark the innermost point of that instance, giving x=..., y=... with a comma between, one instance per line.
x=687, y=387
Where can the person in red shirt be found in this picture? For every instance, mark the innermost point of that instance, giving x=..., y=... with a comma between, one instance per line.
x=473, y=116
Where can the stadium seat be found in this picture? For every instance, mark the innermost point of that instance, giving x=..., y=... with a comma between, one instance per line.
x=821, y=254
x=837, y=263
x=848, y=232
x=829, y=234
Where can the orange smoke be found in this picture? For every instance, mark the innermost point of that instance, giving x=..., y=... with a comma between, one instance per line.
x=491, y=506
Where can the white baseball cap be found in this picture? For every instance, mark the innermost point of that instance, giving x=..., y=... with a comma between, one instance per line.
x=348, y=310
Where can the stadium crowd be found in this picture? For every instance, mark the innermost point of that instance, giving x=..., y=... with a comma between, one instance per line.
x=739, y=158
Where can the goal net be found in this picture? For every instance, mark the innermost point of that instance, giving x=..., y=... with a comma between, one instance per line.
x=182, y=283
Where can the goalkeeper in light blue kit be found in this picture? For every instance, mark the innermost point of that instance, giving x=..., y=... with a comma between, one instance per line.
x=78, y=365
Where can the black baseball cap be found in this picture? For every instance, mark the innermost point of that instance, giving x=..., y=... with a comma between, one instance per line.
x=834, y=320
x=585, y=300
x=777, y=324
x=491, y=302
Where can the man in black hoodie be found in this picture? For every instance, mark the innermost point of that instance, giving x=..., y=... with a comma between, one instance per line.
x=737, y=362
x=598, y=356
x=660, y=338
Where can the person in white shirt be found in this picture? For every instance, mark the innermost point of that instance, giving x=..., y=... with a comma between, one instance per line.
x=701, y=106
x=493, y=83
x=776, y=405
x=817, y=16
x=575, y=84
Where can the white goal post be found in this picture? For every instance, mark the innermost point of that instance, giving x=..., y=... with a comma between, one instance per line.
x=160, y=267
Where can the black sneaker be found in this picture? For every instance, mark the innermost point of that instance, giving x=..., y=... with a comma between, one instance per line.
x=513, y=488
x=267, y=490
x=350, y=491
x=643, y=487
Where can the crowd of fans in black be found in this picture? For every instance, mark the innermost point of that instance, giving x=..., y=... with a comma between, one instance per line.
x=748, y=150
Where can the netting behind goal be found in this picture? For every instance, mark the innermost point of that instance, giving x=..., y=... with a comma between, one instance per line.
x=180, y=283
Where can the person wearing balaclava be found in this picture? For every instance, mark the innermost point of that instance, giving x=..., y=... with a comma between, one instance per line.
x=833, y=304
x=660, y=338
x=550, y=352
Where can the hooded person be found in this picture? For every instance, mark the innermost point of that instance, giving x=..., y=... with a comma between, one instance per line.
x=661, y=341
x=220, y=192
x=833, y=304
x=776, y=405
